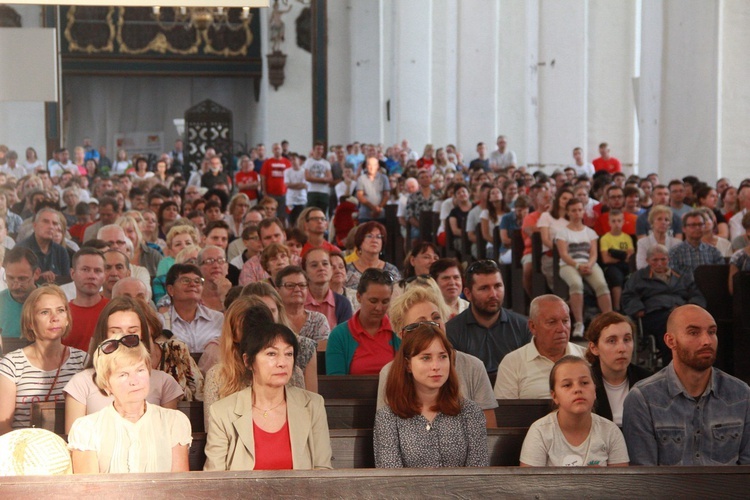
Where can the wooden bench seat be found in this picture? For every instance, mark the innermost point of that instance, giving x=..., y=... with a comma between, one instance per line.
x=521, y=412
x=499, y=482
x=348, y=386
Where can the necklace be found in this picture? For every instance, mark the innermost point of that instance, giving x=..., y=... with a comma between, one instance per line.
x=265, y=412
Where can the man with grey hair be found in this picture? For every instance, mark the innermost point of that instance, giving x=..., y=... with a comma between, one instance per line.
x=214, y=267
x=109, y=212
x=54, y=260
x=133, y=288
x=651, y=293
x=524, y=373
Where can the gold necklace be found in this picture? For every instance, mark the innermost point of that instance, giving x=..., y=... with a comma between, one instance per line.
x=265, y=412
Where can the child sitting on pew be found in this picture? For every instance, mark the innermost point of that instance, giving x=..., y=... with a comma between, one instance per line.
x=616, y=249
x=573, y=435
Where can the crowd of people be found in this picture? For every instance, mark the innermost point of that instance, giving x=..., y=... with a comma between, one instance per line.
x=139, y=282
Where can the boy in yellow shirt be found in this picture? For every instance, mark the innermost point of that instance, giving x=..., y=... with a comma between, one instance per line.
x=616, y=248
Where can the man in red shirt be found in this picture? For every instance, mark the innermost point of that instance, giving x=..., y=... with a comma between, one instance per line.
x=247, y=180
x=272, y=178
x=87, y=272
x=316, y=225
x=605, y=161
x=615, y=200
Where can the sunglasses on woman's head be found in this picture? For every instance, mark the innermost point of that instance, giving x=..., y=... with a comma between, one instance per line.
x=420, y=276
x=379, y=275
x=413, y=326
x=482, y=266
x=109, y=346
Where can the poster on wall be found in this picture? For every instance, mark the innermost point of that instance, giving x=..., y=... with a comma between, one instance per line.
x=140, y=143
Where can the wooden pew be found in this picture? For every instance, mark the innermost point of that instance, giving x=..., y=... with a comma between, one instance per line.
x=348, y=386
x=519, y=299
x=538, y=281
x=713, y=282
x=353, y=448
x=394, y=233
x=497, y=482
x=350, y=413
x=321, y=363
x=481, y=243
x=521, y=412
x=49, y=415
x=741, y=317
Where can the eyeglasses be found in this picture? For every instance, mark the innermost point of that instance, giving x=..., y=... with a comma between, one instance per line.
x=212, y=261
x=191, y=281
x=316, y=219
x=292, y=286
x=413, y=326
x=18, y=281
x=695, y=224
x=482, y=267
x=378, y=276
x=371, y=236
x=111, y=345
x=118, y=243
x=420, y=276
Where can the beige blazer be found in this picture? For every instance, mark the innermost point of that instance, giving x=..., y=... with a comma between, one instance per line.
x=230, y=444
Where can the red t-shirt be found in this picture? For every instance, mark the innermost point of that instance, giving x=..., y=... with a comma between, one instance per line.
x=425, y=162
x=273, y=450
x=77, y=231
x=612, y=165
x=242, y=177
x=343, y=221
x=273, y=175
x=373, y=352
x=84, y=322
x=602, y=226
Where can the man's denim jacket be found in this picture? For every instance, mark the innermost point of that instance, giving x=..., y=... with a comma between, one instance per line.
x=664, y=425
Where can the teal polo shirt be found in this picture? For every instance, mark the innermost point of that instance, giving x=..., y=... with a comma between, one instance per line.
x=10, y=316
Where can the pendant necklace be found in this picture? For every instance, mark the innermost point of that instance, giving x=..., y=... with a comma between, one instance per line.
x=265, y=412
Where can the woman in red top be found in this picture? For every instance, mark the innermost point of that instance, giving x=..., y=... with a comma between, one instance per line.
x=268, y=426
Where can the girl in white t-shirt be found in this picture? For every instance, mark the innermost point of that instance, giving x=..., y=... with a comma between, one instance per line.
x=578, y=252
x=573, y=435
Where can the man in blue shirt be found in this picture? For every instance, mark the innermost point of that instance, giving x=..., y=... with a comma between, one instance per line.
x=21, y=274
x=689, y=413
x=54, y=260
x=693, y=252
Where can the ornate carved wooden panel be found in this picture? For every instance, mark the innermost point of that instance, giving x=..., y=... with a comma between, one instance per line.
x=207, y=125
x=137, y=40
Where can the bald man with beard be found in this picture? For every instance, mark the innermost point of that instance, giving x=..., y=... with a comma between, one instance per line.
x=689, y=413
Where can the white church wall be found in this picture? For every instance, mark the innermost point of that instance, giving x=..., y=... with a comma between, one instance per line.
x=22, y=123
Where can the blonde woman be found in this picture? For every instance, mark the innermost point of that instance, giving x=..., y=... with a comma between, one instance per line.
x=238, y=208
x=39, y=371
x=143, y=255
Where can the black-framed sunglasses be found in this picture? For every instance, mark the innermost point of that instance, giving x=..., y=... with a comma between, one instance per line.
x=413, y=326
x=482, y=266
x=377, y=275
x=109, y=346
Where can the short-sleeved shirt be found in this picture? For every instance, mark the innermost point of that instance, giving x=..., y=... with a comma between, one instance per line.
x=579, y=243
x=295, y=196
x=509, y=222
x=622, y=242
x=205, y=326
x=84, y=322
x=374, y=190
x=490, y=345
x=373, y=351
x=83, y=389
x=524, y=373
x=33, y=384
x=273, y=175
x=545, y=445
x=244, y=177
x=318, y=170
x=611, y=165
x=10, y=316
x=326, y=307
x=123, y=446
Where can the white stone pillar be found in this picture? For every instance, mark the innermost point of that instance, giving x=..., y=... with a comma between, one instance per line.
x=649, y=86
x=563, y=80
x=339, y=74
x=411, y=101
x=444, y=71
x=366, y=67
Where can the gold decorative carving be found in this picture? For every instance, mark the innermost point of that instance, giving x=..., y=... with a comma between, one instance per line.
x=89, y=48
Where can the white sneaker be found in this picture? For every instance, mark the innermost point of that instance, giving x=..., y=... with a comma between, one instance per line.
x=578, y=331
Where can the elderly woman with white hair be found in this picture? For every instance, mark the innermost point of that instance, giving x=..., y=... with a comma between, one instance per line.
x=130, y=435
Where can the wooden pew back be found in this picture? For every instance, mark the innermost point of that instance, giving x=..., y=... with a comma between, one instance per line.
x=348, y=387
x=521, y=412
